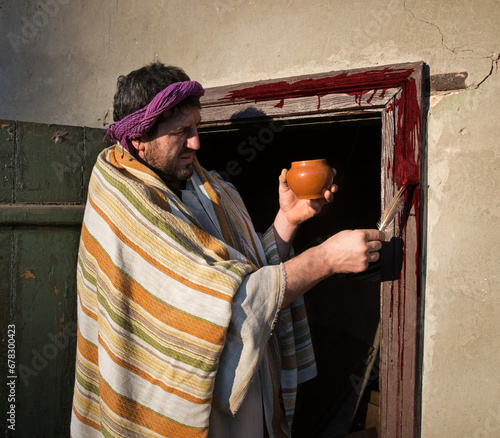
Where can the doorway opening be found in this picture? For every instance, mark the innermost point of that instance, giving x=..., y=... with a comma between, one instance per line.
x=343, y=311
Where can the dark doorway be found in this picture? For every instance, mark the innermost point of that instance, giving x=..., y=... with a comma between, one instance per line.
x=344, y=310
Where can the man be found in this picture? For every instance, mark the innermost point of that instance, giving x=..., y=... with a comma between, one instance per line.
x=189, y=323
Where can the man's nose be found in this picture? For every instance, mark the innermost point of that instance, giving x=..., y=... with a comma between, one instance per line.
x=193, y=142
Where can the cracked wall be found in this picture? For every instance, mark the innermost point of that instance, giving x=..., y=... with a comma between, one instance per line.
x=59, y=60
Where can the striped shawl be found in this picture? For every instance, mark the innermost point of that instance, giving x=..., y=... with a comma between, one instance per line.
x=154, y=305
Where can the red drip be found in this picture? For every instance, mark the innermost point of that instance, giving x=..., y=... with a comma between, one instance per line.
x=407, y=135
x=280, y=104
x=388, y=172
x=372, y=96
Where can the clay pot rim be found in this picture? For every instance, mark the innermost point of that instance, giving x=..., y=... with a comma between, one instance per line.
x=302, y=162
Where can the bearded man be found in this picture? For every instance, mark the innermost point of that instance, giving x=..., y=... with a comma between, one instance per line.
x=190, y=324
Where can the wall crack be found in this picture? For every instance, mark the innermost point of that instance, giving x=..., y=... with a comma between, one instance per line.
x=495, y=57
x=430, y=24
x=456, y=50
x=493, y=70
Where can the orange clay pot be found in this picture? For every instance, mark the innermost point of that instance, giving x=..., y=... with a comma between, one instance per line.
x=309, y=179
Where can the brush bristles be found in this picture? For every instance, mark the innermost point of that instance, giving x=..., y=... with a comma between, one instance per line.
x=392, y=209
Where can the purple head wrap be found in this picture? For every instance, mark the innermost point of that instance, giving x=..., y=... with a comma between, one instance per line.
x=137, y=124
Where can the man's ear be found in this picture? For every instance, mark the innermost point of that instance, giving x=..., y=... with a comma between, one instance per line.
x=138, y=144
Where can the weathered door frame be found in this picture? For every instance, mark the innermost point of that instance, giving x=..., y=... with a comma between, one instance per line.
x=395, y=92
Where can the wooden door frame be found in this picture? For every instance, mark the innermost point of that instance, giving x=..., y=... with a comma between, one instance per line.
x=395, y=92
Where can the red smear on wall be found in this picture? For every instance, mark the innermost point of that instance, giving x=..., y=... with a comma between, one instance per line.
x=407, y=135
x=355, y=84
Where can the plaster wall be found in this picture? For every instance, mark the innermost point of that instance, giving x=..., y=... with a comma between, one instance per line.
x=59, y=60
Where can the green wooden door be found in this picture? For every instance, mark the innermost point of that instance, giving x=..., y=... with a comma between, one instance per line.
x=44, y=171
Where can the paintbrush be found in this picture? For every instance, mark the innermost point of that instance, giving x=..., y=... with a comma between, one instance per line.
x=393, y=208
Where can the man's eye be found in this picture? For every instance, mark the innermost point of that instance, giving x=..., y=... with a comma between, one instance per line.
x=178, y=131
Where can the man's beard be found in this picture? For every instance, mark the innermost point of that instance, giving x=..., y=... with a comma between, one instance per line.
x=170, y=173
x=175, y=175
